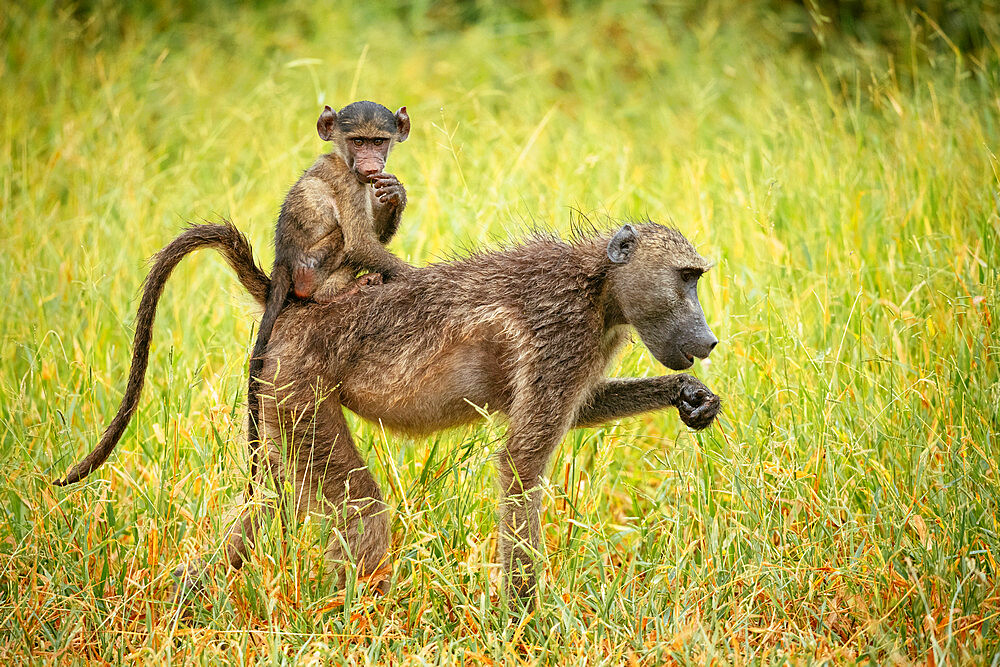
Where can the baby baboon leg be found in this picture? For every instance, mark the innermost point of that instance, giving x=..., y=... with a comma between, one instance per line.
x=304, y=277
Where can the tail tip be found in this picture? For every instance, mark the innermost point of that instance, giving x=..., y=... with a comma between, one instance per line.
x=72, y=477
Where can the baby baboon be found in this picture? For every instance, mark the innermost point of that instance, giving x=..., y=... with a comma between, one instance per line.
x=526, y=331
x=332, y=224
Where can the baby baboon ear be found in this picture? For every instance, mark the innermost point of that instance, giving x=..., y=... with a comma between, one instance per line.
x=402, y=124
x=622, y=245
x=326, y=124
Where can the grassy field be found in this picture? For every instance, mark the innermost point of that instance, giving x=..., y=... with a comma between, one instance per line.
x=845, y=506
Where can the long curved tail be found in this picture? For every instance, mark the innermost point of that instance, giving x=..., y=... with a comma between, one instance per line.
x=233, y=245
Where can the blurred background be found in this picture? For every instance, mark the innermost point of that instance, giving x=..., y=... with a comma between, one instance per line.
x=837, y=160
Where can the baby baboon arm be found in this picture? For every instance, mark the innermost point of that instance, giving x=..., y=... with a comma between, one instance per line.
x=617, y=398
x=390, y=200
x=363, y=252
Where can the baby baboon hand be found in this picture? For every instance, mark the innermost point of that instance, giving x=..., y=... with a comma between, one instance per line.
x=388, y=190
x=697, y=405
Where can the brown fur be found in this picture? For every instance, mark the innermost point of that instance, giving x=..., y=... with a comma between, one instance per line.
x=526, y=331
x=333, y=224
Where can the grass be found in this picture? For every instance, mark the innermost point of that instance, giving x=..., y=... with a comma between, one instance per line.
x=844, y=507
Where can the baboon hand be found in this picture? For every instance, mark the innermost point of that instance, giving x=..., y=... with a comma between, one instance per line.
x=304, y=277
x=388, y=190
x=696, y=404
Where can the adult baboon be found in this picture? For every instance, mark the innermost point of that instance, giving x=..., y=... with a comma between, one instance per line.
x=526, y=331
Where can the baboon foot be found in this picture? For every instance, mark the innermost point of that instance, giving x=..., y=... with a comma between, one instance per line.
x=189, y=580
x=697, y=405
x=521, y=593
x=378, y=584
x=367, y=280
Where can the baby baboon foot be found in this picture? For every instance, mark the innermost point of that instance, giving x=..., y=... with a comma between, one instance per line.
x=367, y=280
x=697, y=405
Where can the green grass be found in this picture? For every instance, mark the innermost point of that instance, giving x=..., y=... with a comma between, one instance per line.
x=844, y=507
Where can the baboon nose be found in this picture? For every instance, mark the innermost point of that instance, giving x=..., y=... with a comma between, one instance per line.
x=710, y=344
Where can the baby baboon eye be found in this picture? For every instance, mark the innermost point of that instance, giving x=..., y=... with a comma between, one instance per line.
x=378, y=142
x=359, y=142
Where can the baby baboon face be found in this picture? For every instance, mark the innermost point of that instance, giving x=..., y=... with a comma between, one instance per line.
x=364, y=133
x=655, y=284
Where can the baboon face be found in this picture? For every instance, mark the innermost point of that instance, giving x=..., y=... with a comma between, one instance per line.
x=655, y=283
x=364, y=133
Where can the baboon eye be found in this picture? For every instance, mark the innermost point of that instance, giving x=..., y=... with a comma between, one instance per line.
x=359, y=142
x=687, y=275
x=378, y=142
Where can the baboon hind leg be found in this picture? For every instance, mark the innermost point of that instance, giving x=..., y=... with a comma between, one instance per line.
x=240, y=538
x=242, y=533
x=331, y=478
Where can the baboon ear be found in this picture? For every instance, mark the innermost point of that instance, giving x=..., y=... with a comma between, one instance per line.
x=326, y=124
x=402, y=124
x=622, y=245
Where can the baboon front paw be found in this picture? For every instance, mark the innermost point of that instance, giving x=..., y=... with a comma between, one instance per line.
x=697, y=405
x=521, y=593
